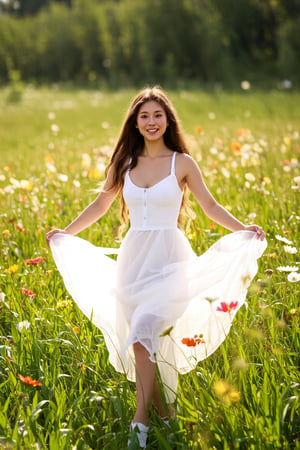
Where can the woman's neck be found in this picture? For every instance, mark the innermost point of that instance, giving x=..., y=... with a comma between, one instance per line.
x=155, y=149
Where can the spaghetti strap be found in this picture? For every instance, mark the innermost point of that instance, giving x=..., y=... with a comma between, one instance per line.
x=173, y=163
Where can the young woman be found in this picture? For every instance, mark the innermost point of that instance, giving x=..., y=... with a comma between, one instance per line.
x=160, y=307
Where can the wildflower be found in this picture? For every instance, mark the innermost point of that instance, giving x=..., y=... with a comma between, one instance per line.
x=35, y=261
x=76, y=183
x=82, y=366
x=226, y=392
x=192, y=342
x=62, y=177
x=283, y=239
x=51, y=115
x=12, y=269
x=293, y=311
x=227, y=307
x=249, y=176
x=54, y=129
x=269, y=272
x=245, y=85
x=289, y=249
x=235, y=147
x=19, y=227
x=29, y=381
x=211, y=116
x=27, y=292
x=63, y=304
x=240, y=364
x=23, y=325
x=85, y=161
x=271, y=255
x=6, y=233
x=26, y=185
x=287, y=268
x=293, y=277
x=241, y=132
x=94, y=174
x=199, y=130
x=76, y=330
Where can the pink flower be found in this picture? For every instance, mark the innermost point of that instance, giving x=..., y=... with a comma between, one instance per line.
x=27, y=292
x=35, y=260
x=227, y=307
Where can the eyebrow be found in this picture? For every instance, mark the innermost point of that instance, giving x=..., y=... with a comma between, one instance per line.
x=146, y=112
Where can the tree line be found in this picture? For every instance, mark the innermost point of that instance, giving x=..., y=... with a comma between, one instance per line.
x=134, y=41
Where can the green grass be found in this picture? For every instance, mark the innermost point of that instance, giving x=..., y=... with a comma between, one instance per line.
x=83, y=403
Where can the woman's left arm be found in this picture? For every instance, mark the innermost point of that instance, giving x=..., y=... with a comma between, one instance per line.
x=194, y=180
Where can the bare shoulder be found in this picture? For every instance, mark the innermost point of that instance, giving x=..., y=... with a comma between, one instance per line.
x=185, y=164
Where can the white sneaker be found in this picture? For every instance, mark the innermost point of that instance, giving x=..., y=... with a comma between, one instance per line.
x=141, y=432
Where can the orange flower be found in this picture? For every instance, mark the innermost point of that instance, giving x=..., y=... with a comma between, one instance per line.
x=235, y=147
x=241, y=132
x=29, y=381
x=35, y=260
x=227, y=307
x=192, y=342
x=199, y=130
x=27, y=292
x=19, y=227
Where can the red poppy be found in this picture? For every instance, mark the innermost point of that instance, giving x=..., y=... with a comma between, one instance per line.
x=27, y=292
x=29, y=381
x=192, y=342
x=35, y=260
x=227, y=307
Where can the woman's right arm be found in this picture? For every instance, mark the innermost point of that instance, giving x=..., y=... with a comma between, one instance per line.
x=92, y=212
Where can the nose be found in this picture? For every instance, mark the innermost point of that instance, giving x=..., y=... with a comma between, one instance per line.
x=151, y=120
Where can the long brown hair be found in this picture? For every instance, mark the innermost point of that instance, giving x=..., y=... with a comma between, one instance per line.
x=130, y=143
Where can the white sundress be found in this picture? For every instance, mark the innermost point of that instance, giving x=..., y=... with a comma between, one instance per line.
x=180, y=306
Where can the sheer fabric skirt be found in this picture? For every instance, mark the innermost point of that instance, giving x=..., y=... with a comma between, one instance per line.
x=178, y=305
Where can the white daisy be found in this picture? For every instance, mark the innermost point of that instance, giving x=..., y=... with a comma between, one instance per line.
x=287, y=268
x=290, y=249
x=283, y=239
x=293, y=277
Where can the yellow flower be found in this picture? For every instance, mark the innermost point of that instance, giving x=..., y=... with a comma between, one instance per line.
x=12, y=269
x=94, y=174
x=226, y=392
x=63, y=304
x=6, y=233
x=76, y=330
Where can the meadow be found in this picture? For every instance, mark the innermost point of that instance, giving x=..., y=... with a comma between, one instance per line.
x=57, y=389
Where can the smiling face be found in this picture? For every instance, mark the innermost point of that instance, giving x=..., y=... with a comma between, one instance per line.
x=152, y=121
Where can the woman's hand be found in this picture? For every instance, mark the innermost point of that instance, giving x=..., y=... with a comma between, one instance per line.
x=258, y=230
x=52, y=232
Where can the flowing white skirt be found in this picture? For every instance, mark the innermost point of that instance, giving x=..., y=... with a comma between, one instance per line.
x=178, y=305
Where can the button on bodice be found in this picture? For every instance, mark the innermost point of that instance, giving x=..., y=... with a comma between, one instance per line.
x=156, y=207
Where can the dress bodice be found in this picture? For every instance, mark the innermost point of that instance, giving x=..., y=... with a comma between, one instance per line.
x=156, y=207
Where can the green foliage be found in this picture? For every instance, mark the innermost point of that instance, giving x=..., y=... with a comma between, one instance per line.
x=132, y=41
x=54, y=146
x=289, y=58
